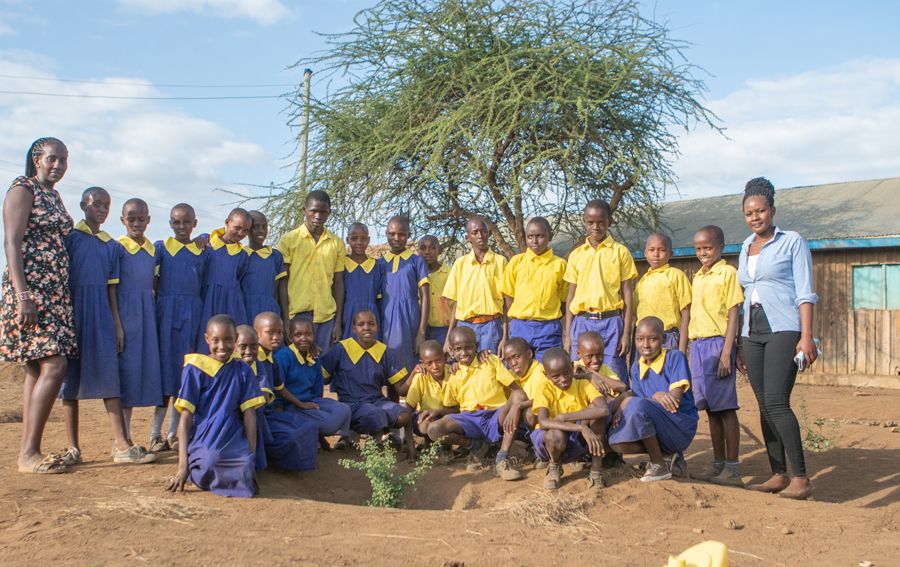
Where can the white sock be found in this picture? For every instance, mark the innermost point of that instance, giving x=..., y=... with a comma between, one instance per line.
x=159, y=414
x=174, y=418
x=126, y=416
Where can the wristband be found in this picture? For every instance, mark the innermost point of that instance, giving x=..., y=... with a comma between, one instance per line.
x=24, y=296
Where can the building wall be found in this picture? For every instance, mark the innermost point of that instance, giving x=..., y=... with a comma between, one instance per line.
x=860, y=347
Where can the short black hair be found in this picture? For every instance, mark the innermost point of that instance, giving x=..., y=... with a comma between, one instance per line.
x=598, y=204
x=667, y=241
x=356, y=225
x=717, y=232
x=479, y=219
x=591, y=336
x=246, y=329
x=260, y=213
x=401, y=219
x=221, y=319
x=266, y=316
x=541, y=221
x=431, y=237
x=760, y=187
x=431, y=345
x=651, y=321
x=92, y=192
x=467, y=331
x=184, y=207
x=556, y=355
x=317, y=195
x=359, y=312
x=136, y=201
x=520, y=342
x=300, y=320
x=237, y=211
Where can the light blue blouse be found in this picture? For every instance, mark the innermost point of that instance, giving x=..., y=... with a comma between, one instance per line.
x=783, y=280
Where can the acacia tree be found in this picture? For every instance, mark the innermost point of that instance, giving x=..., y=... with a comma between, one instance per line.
x=448, y=108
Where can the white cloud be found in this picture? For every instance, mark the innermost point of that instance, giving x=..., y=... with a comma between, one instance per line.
x=132, y=148
x=828, y=125
x=6, y=29
x=263, y=11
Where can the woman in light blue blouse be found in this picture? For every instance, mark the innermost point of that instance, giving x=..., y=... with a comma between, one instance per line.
x=776, y=272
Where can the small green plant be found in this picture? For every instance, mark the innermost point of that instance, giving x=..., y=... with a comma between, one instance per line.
x=380, y=466
x=816, y=440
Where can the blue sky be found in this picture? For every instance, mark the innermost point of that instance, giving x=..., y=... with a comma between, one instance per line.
x=809, y=92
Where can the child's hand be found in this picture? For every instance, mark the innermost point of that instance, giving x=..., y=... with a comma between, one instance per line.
x=667, y=401
x=484, y=356
x=595, y=446
x=314, y=351
x=425, y=416
x=724, y=369
x=336, y=334
x=201, y=242
x=120, y=338
x=417, y=342
x=511, y=421
x=624, y=345
x=567, y=343
x=739, y=361
x=286, y=334
x=617, y=417
x=176, y=484
x=308, y=405
x=600, y=384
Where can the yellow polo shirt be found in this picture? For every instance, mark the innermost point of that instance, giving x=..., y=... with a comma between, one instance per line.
x=424, y=391
x=479, y=386
x=311, y=267
x=533, y=380
x=536, y=285
x=715, y=291
x=439, y=310
x=578, y=397
x=662, y=292
x=599, y=273
x=475, y=287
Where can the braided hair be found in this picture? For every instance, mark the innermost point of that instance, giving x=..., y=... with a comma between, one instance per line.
x=35, y=152
x=760, y=187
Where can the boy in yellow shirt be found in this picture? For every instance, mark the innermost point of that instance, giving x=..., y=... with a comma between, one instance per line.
x=438, y=309
x=534, y=290
x=471, y=398
x=474, y=288
x=424, y=389
x=664, y=292
x=717, y=298
x=571, y=417
x=601, y=276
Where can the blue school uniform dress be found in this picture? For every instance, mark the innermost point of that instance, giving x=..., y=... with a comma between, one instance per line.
x=265, y=268
x=179, y=306
x=293, y=441
x=140, y=374
x=93, y=266
x=357, y=376
x=401, y=312
x=222, y=284
x=362, y=290
x=644, y=417
x=219, y=457
x=302, y=377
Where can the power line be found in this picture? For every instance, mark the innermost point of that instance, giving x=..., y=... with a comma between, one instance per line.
x=113, y=97
x=147, y=83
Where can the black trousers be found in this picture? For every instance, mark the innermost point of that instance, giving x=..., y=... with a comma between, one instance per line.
x=770, y=364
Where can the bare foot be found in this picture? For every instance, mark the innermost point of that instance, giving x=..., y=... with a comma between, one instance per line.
x=777, y=483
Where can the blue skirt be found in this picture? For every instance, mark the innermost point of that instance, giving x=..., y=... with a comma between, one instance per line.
x=139, y=365
x=400, y=320
x=178, y=319
x=295, y=441
x=255, y=304
x=643, y=418
x=219, y=300
x=95, y=374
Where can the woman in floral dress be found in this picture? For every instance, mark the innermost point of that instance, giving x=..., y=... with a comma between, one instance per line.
x=37, y=326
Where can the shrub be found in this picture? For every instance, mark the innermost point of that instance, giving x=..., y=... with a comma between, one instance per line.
x=380, y=466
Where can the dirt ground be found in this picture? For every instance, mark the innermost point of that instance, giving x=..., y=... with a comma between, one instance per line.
x=106, y=514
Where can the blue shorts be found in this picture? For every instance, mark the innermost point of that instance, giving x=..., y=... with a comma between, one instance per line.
x=481, y=424
x=487, y=334
x=541, y=335
x=575, y=446
x=711, y=392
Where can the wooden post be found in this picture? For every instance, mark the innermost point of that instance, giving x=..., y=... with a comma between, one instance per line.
x=304, y=132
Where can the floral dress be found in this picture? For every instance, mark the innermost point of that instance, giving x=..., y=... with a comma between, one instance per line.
x=47, y=275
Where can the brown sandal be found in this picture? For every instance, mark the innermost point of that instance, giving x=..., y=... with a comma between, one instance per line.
x=51, y=464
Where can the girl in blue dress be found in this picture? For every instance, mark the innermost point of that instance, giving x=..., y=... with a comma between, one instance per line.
x=93, y=273
x=179, y=305
x=405, y=299
x=217, y=429
x=228, y=262
x=264, y=285
x=363, y=278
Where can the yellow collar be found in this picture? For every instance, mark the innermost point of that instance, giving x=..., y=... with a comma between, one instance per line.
x=547, y=255
x=488, y=258
x=263, y=356
x=606, y=242
x=326, y=234
x=133, y=247
x=236, y=356
x=394, y=259
x=658, y=270
x=527, y=376
x=703, y=271
x=263, y=252
x=215, y=240
x=174, y=247
x=656, y=365
x=206, y=364
x=442, y=269
x=366, y=265
x=355, y=351
x=309, y=361
x=83, y=227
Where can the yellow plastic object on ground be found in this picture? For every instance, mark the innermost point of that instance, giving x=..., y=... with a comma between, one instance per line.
x=706, y=554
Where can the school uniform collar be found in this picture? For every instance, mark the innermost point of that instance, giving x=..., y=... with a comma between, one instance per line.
x=305, y=360
x=133, y=247
x=264, y=356
x=236, y=356
x=355, y=351
x=605, y=243
x=394, y=259
x=489, y=258
x=304, y=232
x=173, y=247
x=206, y=364
x=544, y=257
x=656, y=364
x=528, y=373
x=659, y=270
x=83, y=227
x=215, y=240
x=263, y=252
x=350, y=265
x=715, y=268
x=442, y=269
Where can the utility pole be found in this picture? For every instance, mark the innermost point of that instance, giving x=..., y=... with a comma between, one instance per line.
x=304, y=133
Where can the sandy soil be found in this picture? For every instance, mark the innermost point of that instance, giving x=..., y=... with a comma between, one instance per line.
x=106, y=514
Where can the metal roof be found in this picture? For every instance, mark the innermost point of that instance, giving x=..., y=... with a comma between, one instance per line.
x=836, y=215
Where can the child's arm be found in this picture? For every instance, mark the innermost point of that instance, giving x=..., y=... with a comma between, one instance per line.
x=569, y=315
x=425, y=302
x=730, y=336
x=669, y=400
x=112, y=292
x=451, y=326
x=292, y=399
x=683, y=330
x=604, y=384
x=627, y=291
x=185, y=424
x=337, y=290
x=504, y=321
x=249, y=429
x=281, y=295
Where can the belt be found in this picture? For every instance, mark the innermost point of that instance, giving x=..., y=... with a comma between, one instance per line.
x=600, y=314
x=479, y=319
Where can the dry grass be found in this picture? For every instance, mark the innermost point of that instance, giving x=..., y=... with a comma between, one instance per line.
x=545, y=509
x=157, y=508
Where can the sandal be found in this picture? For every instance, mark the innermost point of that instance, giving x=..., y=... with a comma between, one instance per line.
x=596, y=480
x=51, y=464
x=158, y=444
x=71, y=456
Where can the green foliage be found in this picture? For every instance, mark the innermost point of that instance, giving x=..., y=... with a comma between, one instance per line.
x=510, y=109
x=380, y=466
x=816, y=440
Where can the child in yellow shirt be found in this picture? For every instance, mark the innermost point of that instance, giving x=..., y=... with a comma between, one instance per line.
x=664, y=292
